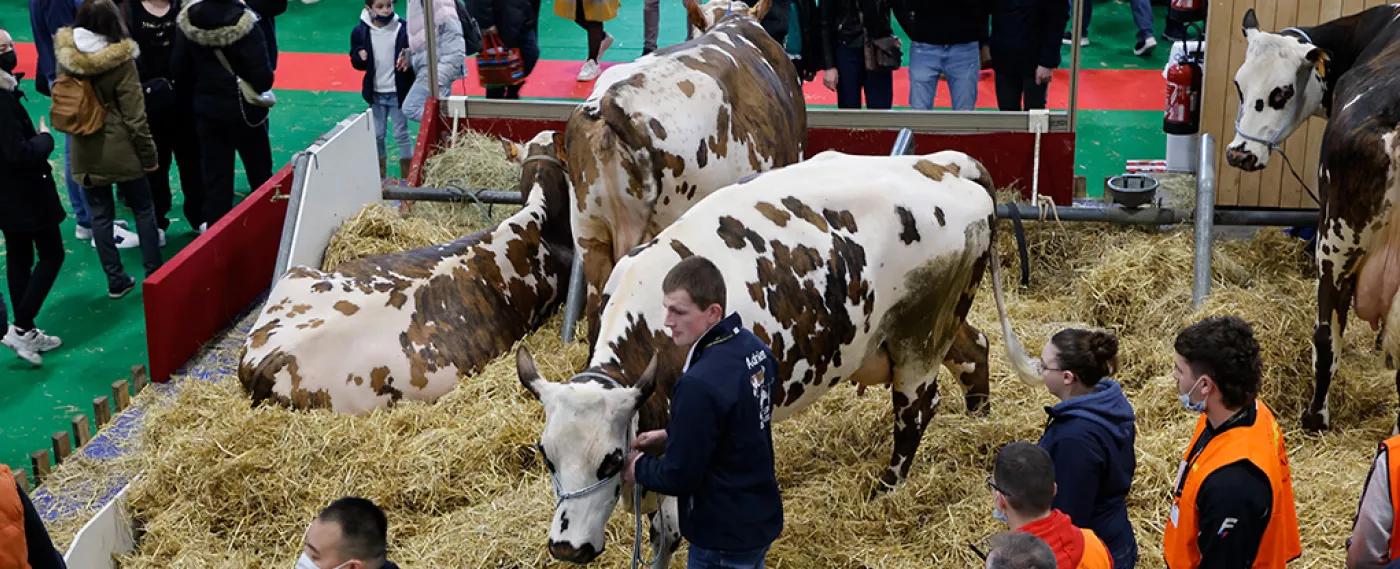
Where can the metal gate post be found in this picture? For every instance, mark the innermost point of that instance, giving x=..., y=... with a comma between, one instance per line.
x=573, y=305
x=1205, y=220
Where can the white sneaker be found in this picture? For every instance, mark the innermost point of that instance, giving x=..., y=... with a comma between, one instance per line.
x=12, y=341
x=590, y=71
x=83, y=233
x=36, y=340
x=162, y=237
x=124, y=237
x=202, y=228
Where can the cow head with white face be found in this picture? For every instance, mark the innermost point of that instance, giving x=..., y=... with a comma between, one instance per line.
x=702, y=18
x=1280, y=85
x=589, y=424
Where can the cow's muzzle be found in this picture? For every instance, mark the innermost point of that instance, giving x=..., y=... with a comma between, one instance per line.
x=1243, y=159
x=565, y=551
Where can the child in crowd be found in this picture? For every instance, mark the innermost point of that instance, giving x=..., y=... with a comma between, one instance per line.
x=379, y=47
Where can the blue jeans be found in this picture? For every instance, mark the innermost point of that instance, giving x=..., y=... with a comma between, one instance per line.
x=701, y=558
x=75, y=191
x=852, y=79
x=959, y=63
x=1142, y=16
x=386, y=107
x=417, y=99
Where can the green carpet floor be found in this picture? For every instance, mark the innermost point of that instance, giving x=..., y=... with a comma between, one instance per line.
x=103, y=338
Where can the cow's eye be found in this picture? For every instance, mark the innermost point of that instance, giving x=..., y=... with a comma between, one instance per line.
x=612, y=464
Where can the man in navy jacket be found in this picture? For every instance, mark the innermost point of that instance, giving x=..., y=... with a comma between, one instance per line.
x=718, y=459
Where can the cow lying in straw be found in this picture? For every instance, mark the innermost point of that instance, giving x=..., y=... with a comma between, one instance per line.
x=409, y=325
x=660, y=134
x=851, y=268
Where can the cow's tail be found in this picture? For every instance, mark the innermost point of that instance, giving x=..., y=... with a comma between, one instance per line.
x=1020, y=360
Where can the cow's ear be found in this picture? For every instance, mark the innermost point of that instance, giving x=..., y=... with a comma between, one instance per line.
x=529, y=374
x=760, y=9
x=1319, y=58
x=646, y=384
x=514, y=152
x=696, y=15
x=1250, y=24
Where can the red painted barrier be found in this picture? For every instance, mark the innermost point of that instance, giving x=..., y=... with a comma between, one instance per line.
x=210, y=282
x=1008, y=156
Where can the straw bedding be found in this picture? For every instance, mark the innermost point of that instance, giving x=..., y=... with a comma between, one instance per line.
x=228, y=485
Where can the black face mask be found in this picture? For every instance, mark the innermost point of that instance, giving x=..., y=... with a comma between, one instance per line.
x=384, y=19
x=8, y=61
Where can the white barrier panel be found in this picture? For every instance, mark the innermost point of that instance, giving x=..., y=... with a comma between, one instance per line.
x=332, y=179
x=106, y=534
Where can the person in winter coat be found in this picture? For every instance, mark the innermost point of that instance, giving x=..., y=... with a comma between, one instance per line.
x=590, y=15
x=46, y=17
x=29, y=215
x=451, y=54
x=379, y=47
x=1025, y=50
x=225, y=121
x=26, y=541
x=1090, y=436
x=847, y=23
x=266, y=11
x=169, y=109
x=947, y=39
x=121, y=152
x=517, y=23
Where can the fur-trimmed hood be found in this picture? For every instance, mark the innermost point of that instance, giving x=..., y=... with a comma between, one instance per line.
x=79, y=62
x=215, y=24
x=8, y=82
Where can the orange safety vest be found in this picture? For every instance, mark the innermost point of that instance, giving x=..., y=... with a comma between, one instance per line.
x=1096, y=554
x=1262, y=445
x=1391, y=446
x=14, y=553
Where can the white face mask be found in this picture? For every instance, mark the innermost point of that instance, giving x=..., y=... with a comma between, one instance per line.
x=305, y=562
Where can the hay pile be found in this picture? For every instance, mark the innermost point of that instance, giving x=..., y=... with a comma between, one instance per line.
x=231, y=486
x=472, y=161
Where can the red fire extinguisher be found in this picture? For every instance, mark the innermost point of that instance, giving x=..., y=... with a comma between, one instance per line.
x=1183, y=111
x=1187, y=11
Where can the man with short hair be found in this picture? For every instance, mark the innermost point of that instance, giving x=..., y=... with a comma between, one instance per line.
x=1023, y=494
x=351, y=533
x=1232, y=503
x=718, y=459
x=1019, y=550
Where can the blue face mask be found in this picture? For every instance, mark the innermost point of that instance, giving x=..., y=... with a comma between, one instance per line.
x=999, y=516
x=1198, y=407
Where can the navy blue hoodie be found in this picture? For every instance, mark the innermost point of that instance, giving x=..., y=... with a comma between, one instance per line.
x=1091, y=439
x=719, y=445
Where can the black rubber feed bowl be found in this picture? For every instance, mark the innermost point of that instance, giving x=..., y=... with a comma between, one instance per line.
x=1132, y=190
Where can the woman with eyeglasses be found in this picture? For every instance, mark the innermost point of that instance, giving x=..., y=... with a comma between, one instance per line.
x=1090, y=436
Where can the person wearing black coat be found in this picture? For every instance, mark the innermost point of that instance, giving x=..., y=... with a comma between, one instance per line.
x=169, y=108
x=30, y=214
x=266, y=11
x=1025, y=50
x=517, y=24
x=225, y=121
x=846, y=23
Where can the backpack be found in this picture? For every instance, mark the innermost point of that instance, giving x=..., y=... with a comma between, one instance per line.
x=471, y=33
x=75, y=109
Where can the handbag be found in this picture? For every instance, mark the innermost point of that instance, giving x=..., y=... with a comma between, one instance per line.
x=881, y=54
x=264, y=100
x=498, y=65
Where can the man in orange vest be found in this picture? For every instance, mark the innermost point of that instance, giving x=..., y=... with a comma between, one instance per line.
x=24, y=543
x=1232, y=503
x=1374, y=542
x=1023, y=491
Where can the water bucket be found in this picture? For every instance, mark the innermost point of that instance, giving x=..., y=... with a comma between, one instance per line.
x=1132, y=190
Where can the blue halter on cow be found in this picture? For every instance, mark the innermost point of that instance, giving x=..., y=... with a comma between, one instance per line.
x=1347, y=71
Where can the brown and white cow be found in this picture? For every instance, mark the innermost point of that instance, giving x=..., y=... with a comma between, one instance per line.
x=661, y=133
x=851, y=268
x=1347, y=70
x=409, y=325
